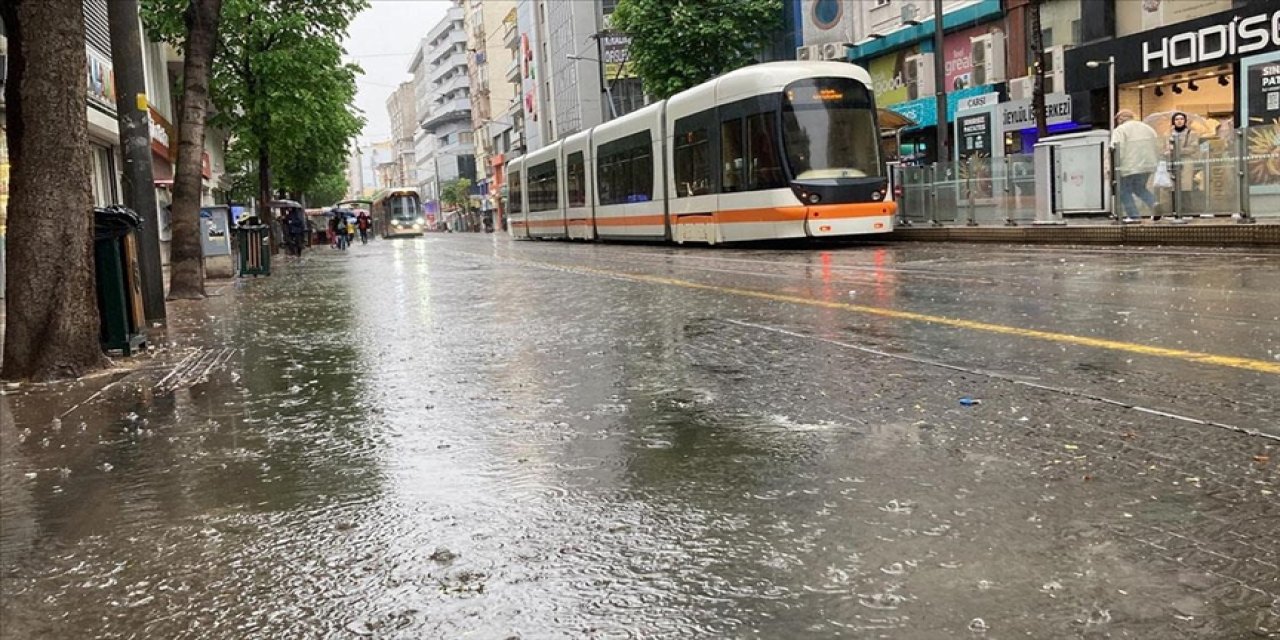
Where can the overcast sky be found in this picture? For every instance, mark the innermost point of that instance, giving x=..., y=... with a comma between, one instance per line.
x=382, y=40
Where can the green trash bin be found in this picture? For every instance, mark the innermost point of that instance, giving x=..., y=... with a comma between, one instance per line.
x=253, y=243
x=119, y=281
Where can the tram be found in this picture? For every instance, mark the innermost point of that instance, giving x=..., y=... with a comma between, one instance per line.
x=769, y=151
x=397, y=212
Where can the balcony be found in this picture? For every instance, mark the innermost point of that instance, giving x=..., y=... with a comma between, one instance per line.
x=452, y=84
x=452, y=111
x=513, y=70
x=456, y=60
x=510, y=34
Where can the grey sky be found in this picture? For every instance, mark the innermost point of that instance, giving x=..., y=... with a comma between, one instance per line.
x=382, y=40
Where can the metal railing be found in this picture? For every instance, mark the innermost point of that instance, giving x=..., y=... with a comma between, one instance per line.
x=1233, y=174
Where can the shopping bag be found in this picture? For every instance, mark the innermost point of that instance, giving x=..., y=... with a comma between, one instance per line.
x=1162, y=179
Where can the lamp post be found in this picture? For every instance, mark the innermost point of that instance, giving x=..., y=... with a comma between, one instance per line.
x=1111, y=122
x=1111, y=87
x=613, y=112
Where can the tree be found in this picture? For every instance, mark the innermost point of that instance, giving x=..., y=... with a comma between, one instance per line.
x=457, y=194
x=186, y=255
x=51, y=322
x=1037, y=69
x=280, y=88
x=328, y=189
x=711, y=36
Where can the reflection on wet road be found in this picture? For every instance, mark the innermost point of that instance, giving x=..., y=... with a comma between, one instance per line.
x=462, y=436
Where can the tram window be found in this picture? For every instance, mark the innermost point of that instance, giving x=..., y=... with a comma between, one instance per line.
x=764, y=171
x=624, y=170
x=731, y=156
x=543, y=194
x=576, y=176
x=693, y=163
x=515, y=203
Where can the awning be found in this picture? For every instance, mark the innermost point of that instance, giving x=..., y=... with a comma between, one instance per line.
x=891, y=121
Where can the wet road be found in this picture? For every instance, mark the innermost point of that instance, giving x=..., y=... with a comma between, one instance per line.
x=468, y=437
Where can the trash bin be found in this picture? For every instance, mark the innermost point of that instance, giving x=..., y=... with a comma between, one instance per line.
x=253, y=243
x=118, y=276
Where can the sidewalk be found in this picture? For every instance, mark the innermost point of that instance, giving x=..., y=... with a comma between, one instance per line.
x=1205, y=232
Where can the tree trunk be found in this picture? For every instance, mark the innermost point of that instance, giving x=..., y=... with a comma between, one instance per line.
x=264, y=188
x=1037, y=66
x=186, y=257
x=52, y=316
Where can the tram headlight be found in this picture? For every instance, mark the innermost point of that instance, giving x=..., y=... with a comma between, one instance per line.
x=877, y=195
x=814, y=198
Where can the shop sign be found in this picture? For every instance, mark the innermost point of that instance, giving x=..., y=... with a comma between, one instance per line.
x=1194, y=47
x=924, y=111
x=162, y=135
x=974, y=143
x=616, y=54
x=102, y=79
x=1219, y=38
x=1019, y=114
x=977, y=102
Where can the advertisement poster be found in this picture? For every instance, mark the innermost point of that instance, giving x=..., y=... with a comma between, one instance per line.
x=958, y=52
x=1261, y=106
x=887, y=77
x=974, y=151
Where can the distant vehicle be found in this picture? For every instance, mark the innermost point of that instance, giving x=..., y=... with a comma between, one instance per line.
x=774, y=150
x=397, y=212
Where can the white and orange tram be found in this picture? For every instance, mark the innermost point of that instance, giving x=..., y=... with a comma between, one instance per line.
x=770, y=151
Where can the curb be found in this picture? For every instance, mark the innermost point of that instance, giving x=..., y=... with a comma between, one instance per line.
x=1216, y=235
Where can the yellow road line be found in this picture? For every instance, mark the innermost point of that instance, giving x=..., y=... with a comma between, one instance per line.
x=1248, y=364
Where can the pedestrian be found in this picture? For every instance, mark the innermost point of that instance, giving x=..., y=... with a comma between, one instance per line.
x=1137, y=152
x=362, y=223
x=295, y=231
x=1182, y=149
x=333, y=229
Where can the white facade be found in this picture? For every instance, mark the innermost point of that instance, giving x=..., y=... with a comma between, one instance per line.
x=447, y=116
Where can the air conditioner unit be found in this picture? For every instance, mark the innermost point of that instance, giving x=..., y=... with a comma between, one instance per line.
x=804, y=53
x=1022, y=88
x=988, y=58
x=832, y=51
x=918, y=76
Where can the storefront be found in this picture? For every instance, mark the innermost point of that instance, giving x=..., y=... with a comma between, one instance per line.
x=1192, y=66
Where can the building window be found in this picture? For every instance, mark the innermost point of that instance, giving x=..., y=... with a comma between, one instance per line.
x=576, y=179
x=624, y=170
x=882, y=3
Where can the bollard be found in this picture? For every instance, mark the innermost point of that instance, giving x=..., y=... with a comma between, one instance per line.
x=1113, y=180
x=968, y=186
x=1242, y=177
x=933, y=195
x=1007, y=200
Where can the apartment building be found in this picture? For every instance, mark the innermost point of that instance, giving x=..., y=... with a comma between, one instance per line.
x=402, y=109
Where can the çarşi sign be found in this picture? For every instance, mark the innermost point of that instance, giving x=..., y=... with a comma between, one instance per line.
x=1219, y=38
x=1194, y=47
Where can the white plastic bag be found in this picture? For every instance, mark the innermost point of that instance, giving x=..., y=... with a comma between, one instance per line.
x=1162, y=179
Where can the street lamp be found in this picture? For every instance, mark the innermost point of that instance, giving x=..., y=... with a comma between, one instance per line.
x=1111, y=87
x=613, y=112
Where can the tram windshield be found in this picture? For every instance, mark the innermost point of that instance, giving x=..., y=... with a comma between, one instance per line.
x=402, y=206
x=829, y=129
